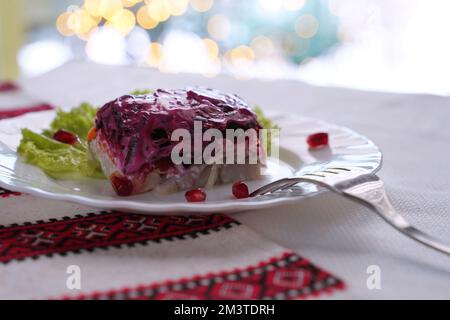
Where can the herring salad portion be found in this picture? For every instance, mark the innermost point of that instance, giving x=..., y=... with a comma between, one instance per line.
x=128, y=140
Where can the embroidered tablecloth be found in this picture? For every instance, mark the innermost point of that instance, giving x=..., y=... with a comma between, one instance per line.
x=337, y=234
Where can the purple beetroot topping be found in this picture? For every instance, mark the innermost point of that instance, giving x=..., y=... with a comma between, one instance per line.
x=137, y=129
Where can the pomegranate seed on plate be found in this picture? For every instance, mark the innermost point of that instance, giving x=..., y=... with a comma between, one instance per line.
x=195, y=195
x=317, y=140
x=65, y=137
x=240, y=190
x=122, y=185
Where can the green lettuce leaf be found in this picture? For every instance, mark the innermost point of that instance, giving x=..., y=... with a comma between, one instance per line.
x=78, y=120
x=138, y=92
x=60, y=160
x=265, y=122
x=268, y=124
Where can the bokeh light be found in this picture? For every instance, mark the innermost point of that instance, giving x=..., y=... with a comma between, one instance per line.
x=306, y=26
x=93, y=7
x=202, y=5
x=138, y=42
x=262, y=46
x=242, y=52
x=110, y=8
x=219, y=27
x=48, y=55
x=211, y=47
x=178, y=7
x=107, y=45
x=80, y=22
x=261, y=38
x=130, y=3
x=123, y=21
x=144, y=20
x=192, y=35
x=62, y=24
x=158, y=10
x=154, y=55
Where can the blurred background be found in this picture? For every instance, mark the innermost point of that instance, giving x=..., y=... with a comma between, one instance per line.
x=382, y=45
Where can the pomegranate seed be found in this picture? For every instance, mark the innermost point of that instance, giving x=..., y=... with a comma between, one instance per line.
x=240, y=190
x=65, y=137
x=122, y=185
x=317, y=140
x=195, y=195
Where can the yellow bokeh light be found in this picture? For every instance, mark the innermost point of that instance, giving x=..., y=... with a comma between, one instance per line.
x=103, y=8
x=110, y=8
x=242, y=59
x=85, y=36
x=262, y=46
x=96, y=19
x=144, y=19
x=212, y=48
x=123, y=21
x=155, y=54
x=158, y=10
x=294, y=5
x=80, y=22
x=62, y=24
x=244, y=53
x=178, y=7
x=306, y=26
x=219, y=27
x=93, y=7
x=130, y=3
x=202, y=5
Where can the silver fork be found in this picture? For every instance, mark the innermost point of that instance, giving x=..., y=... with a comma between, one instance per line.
x=361, y=186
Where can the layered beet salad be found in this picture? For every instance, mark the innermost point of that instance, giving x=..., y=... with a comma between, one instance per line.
x=132, y=141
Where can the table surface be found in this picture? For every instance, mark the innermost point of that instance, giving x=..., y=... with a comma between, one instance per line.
x=339, y=235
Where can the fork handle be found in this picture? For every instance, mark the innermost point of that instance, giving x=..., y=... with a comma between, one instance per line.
x=377, y=200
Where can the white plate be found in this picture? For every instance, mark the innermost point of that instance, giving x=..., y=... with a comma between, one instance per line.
x=348, y=146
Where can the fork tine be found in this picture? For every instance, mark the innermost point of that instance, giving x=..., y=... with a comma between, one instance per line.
x=285, y=183
x=271, y=187
x=340, y=169
x=330, y=171
x=288, y=185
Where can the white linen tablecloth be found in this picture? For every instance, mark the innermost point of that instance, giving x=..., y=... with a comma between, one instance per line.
x=344, y=237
